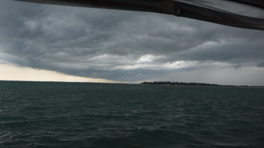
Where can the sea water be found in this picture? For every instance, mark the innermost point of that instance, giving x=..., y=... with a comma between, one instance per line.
x=72, y=115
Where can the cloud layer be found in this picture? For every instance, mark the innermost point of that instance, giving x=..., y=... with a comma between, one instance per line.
x=124, y=45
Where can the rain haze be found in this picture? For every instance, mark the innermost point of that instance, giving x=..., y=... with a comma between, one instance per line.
x=58, y=43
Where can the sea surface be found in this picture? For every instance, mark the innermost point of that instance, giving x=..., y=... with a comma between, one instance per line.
x=73, y=115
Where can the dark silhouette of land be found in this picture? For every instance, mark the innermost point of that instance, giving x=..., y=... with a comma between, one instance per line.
x=193, y=84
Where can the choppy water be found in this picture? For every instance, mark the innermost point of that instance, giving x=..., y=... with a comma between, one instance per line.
x=114, y=115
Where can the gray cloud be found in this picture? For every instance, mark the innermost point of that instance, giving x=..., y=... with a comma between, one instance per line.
x=237, y=66
x=118, y=45
x=261, y=64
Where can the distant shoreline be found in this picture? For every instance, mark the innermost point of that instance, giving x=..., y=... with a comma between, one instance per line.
x=144, y=83
x=196, y=84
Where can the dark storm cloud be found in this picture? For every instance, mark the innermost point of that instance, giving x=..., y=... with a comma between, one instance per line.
x=261, y=64
x=118, y=45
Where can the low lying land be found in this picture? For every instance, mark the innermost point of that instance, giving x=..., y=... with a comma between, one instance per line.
x=195, y=84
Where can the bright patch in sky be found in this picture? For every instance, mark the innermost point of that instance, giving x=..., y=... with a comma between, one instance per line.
x=9, y=72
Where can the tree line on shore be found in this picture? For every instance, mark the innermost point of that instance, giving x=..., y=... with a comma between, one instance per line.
x=190, y=84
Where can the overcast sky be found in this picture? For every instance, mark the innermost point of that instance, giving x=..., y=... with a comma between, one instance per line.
x=125, y=46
